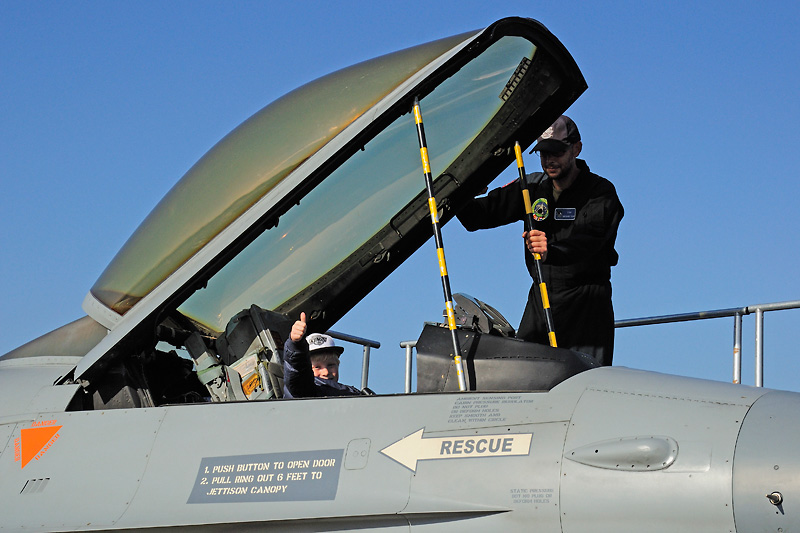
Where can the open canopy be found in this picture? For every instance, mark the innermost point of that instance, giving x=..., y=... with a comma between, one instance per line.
x=314, y=200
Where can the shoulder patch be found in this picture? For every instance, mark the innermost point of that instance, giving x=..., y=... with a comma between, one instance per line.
x=540, y=209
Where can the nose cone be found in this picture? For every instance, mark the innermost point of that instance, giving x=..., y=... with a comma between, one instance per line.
x=766, y=466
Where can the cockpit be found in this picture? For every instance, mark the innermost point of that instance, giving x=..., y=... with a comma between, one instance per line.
x=244, y=363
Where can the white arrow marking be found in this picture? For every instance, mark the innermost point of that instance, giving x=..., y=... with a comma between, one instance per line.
x=408, y=450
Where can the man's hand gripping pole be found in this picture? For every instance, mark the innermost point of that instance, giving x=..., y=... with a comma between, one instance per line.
x=537, y=259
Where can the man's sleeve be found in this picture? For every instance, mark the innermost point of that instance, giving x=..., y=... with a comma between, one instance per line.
x=500, y=207
x=298, y=377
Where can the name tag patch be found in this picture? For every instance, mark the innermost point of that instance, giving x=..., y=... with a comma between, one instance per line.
x=565, y=213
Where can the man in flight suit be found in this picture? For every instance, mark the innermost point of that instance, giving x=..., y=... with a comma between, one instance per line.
x=577, y=214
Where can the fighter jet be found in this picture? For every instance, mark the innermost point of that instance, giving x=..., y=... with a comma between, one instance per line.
x=163, y=407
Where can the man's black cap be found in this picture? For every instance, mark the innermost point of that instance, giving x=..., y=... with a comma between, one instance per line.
x=558, y=137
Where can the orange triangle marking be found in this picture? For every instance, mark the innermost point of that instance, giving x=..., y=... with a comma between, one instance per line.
x=33, y=440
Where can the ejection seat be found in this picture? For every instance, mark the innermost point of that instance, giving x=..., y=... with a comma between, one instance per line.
x=248, y=363
x=494, y=360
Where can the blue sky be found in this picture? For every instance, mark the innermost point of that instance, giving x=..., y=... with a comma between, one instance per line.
x=691, y=111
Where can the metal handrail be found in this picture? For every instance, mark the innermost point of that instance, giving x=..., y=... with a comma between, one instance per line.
x=409, y=347
x=736, y=312
x=366, y=343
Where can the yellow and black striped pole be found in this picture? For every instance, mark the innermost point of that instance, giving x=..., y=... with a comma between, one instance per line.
x=526, y=197
x=437, y=233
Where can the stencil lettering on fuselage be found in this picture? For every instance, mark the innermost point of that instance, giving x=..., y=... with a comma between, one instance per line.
x=414, y=448
x=486, y=409
x=279, y=477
